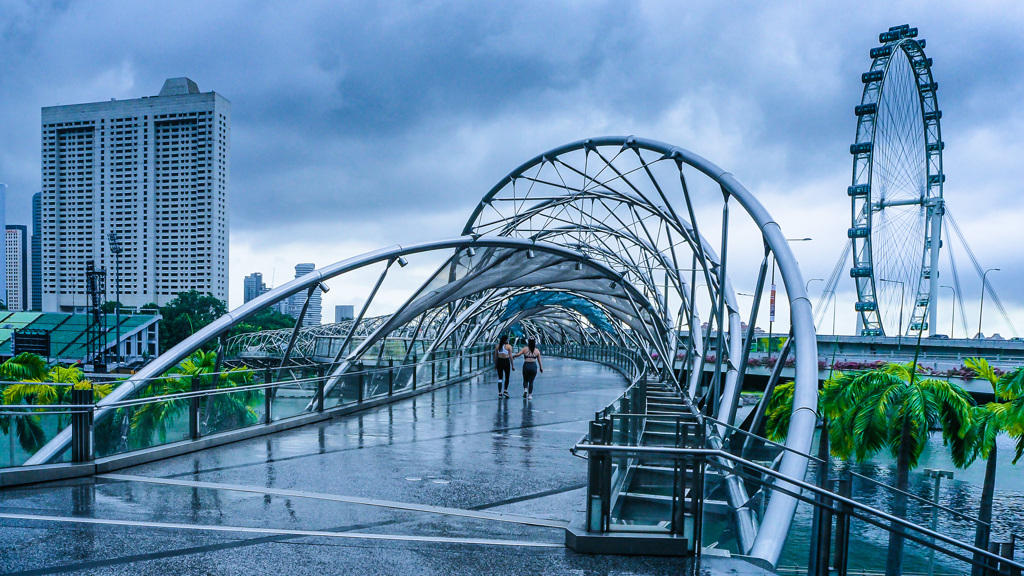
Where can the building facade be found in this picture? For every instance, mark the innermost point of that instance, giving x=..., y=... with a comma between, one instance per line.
x=3, y=253
x=343, y=312
x=253, y=286
x=36, y=261
x=155, y=172
x=314, y=310
x=17, y=264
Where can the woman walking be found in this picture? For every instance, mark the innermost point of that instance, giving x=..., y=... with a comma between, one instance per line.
x=503, y=363
x=531, y=363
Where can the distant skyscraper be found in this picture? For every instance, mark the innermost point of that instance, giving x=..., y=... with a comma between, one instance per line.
x=253, y=286
x=153, y=170
x=36, y=281
x=314, y=311
x=343, y=312
x=3, y=253
x=17, y=256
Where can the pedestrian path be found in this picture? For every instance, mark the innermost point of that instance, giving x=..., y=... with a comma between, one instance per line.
x=451, y=481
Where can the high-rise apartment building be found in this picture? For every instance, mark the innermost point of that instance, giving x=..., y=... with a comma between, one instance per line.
x=155, y=172
x=343, y=312
x=17, y=264
x=36, y=282
x=313, y=311
x=3, y=253
x=253, y=286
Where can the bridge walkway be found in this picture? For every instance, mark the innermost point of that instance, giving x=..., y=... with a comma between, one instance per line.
x=451, y=481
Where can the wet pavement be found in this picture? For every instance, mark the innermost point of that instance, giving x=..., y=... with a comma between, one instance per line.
x=454, y=481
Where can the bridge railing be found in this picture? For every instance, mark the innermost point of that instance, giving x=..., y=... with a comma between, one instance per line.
x=833, y=511
x=627, y=361
x=182, y=408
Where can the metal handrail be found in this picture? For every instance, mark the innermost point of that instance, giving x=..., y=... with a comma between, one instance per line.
x=212, y=391
x=113, y=377
x=708, y=454
x=765, y=440
x=22, y=410
x=920, y=499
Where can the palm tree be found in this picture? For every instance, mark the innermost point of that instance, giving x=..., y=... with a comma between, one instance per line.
x=1004, y=414
x=893, y=408
x=233, y=409
x=890, y=407
x=40, y=385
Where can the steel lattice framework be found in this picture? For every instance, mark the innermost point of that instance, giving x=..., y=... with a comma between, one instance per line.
x=896, y=193
x=607, y=240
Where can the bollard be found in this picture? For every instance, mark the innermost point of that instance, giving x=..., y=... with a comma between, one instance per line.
x=268, y=397
x=320, y=389
x=391, y=381
x=1006, y=551
x=599, y=480
x=81, y=426
x=991, y=567
x=414, y=371
x=193, y=411
x=359, y=368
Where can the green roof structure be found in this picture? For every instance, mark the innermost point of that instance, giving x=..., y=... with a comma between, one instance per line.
x=69, y=332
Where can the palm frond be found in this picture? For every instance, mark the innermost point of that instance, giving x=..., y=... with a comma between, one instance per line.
x=24, y=366
x=778, y=412
x=1011, y=385
x=982, y=368
x=30, y=433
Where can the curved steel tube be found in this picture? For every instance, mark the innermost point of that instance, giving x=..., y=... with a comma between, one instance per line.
x=160, y=365
x=769, y=540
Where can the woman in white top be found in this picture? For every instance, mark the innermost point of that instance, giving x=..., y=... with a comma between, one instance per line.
x=503, y=363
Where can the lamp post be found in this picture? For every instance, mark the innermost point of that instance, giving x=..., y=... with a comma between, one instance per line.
x=116, y=249
x=751, y=296
x=832, y=296
x=899, y=342
x=952, y=319
x=771, y=302
x=982, y=309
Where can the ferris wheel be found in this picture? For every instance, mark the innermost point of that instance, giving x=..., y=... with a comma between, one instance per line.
x=896, y=192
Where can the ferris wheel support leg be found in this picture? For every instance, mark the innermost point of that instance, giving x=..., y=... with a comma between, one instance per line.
x=933, y=281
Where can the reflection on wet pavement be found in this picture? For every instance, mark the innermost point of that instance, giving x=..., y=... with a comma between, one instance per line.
x=454, y=481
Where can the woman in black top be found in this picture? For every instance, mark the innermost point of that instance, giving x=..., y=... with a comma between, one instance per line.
x=531, y=364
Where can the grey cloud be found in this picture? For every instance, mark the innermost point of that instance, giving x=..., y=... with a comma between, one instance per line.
x=349, y=113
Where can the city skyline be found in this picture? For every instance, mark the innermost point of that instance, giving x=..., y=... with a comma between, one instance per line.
x=333, y=158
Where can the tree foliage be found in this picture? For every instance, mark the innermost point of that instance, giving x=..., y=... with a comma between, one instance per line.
x=867, y=412
x=40, y=385
x=197, y=370
x=187, y=314
x=266, y=319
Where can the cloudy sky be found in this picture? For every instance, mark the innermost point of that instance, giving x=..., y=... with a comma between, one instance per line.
x=357, y=124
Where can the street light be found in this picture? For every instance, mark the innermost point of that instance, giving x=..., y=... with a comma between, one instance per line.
x=771, y=302
x=116, y=249
x=899, y=342
x=982, y=309
x=952, y=320
x=807, y=285
x=831, y=296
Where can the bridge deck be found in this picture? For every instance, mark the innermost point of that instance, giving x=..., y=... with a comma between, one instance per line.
x=453, y=481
